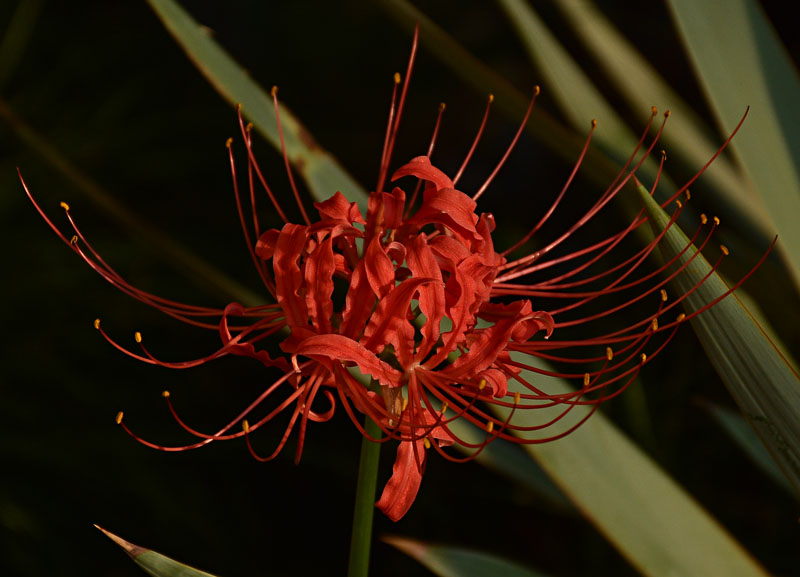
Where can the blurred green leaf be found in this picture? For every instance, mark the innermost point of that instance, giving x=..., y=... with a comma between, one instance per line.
x=757, y=376
x=154, y=563
x=458, y=562
x=743, y=63
x=510, y=461
x=319, y=169
x=640, y=509
x=734, y=424
x=642, y=86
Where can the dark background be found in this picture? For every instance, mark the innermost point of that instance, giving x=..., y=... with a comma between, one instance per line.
x=105, y=88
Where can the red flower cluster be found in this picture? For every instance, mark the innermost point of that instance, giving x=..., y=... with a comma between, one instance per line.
x=414, y=296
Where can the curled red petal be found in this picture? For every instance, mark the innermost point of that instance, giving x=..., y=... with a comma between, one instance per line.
x=332, y=349
x=422, y=168
x=403, y=486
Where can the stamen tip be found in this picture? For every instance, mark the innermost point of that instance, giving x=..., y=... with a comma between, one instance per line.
x=667, y=114
x=490, y=426
x=274, y=91
x=703, y=218
x=245, y=426
x=118, y=419
x=426, y=442
x=491, y=98
x=681, y=317
x=97, y=323
x=643, y=356
x=664, y=295
x=442, y=106
x=228, y=142
x=65, y=206
x=653, y=110
x=165, y=394
x=724, y=249
x=716, y=221
x=609, y=353
x=594, y=123
x=536, y=90
x=137, y=336
x=587, y=378
x=397, y=78
x=74, y=239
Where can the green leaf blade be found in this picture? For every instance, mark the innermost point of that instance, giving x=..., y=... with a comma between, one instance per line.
x=153, y=563
x=457, y=562
x=323, y=175
x=758, y=377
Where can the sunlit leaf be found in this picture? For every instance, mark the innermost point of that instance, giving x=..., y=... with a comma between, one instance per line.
x=757, y=376
x=639, y=508
x=574, y=92
x=154, y=563
x=688, y=135
x=458, y=562
x=743, y=63
x=319, y=169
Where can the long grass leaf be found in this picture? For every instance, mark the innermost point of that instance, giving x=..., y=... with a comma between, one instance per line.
x=319, y=169
x=760, y=380
x=741, y=62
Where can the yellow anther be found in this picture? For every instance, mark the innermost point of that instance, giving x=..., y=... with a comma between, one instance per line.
x=643, y=357
x=678, y=203
x=491, y=98
x=724, y=249
x=165, y=394
x=442, y=106
x=119, y=417
x=238, y=106
x=137, y=336
x=516, y=398
x=482, y=384
x=444, y=407
x=587, y=378
x=426, y=442
x=245, y=426
x=490, y=426
x=249, y=127
x=405, y=404
x=65, y=206
x=664, y=295
x=609, y=353
x=274, y=91
x=667, y=113
x=703, y=218
x=716, y=221
x=536, y=90
x=74, y=239
x=397, y=78
x=688, y=194
x=654, y=110
x=594, y=123
x=229, y=142
x=97, y=324
x=681, y=317
x=654, y=324
x=663, y=154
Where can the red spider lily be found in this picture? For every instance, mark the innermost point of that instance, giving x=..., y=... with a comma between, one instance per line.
x=430, y=313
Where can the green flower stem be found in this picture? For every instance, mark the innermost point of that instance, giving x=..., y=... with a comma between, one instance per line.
x=365, y=502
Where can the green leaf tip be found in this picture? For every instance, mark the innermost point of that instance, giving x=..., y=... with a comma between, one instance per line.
x=155, y=564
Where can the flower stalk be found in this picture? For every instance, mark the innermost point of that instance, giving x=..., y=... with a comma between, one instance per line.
x=364, y=510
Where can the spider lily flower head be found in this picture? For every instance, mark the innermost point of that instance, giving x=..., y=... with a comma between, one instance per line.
x=430, y=312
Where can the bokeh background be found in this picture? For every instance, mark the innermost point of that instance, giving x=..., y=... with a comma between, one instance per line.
x=96, y=96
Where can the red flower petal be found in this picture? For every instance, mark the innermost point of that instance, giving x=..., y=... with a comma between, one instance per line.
x=402, y=488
